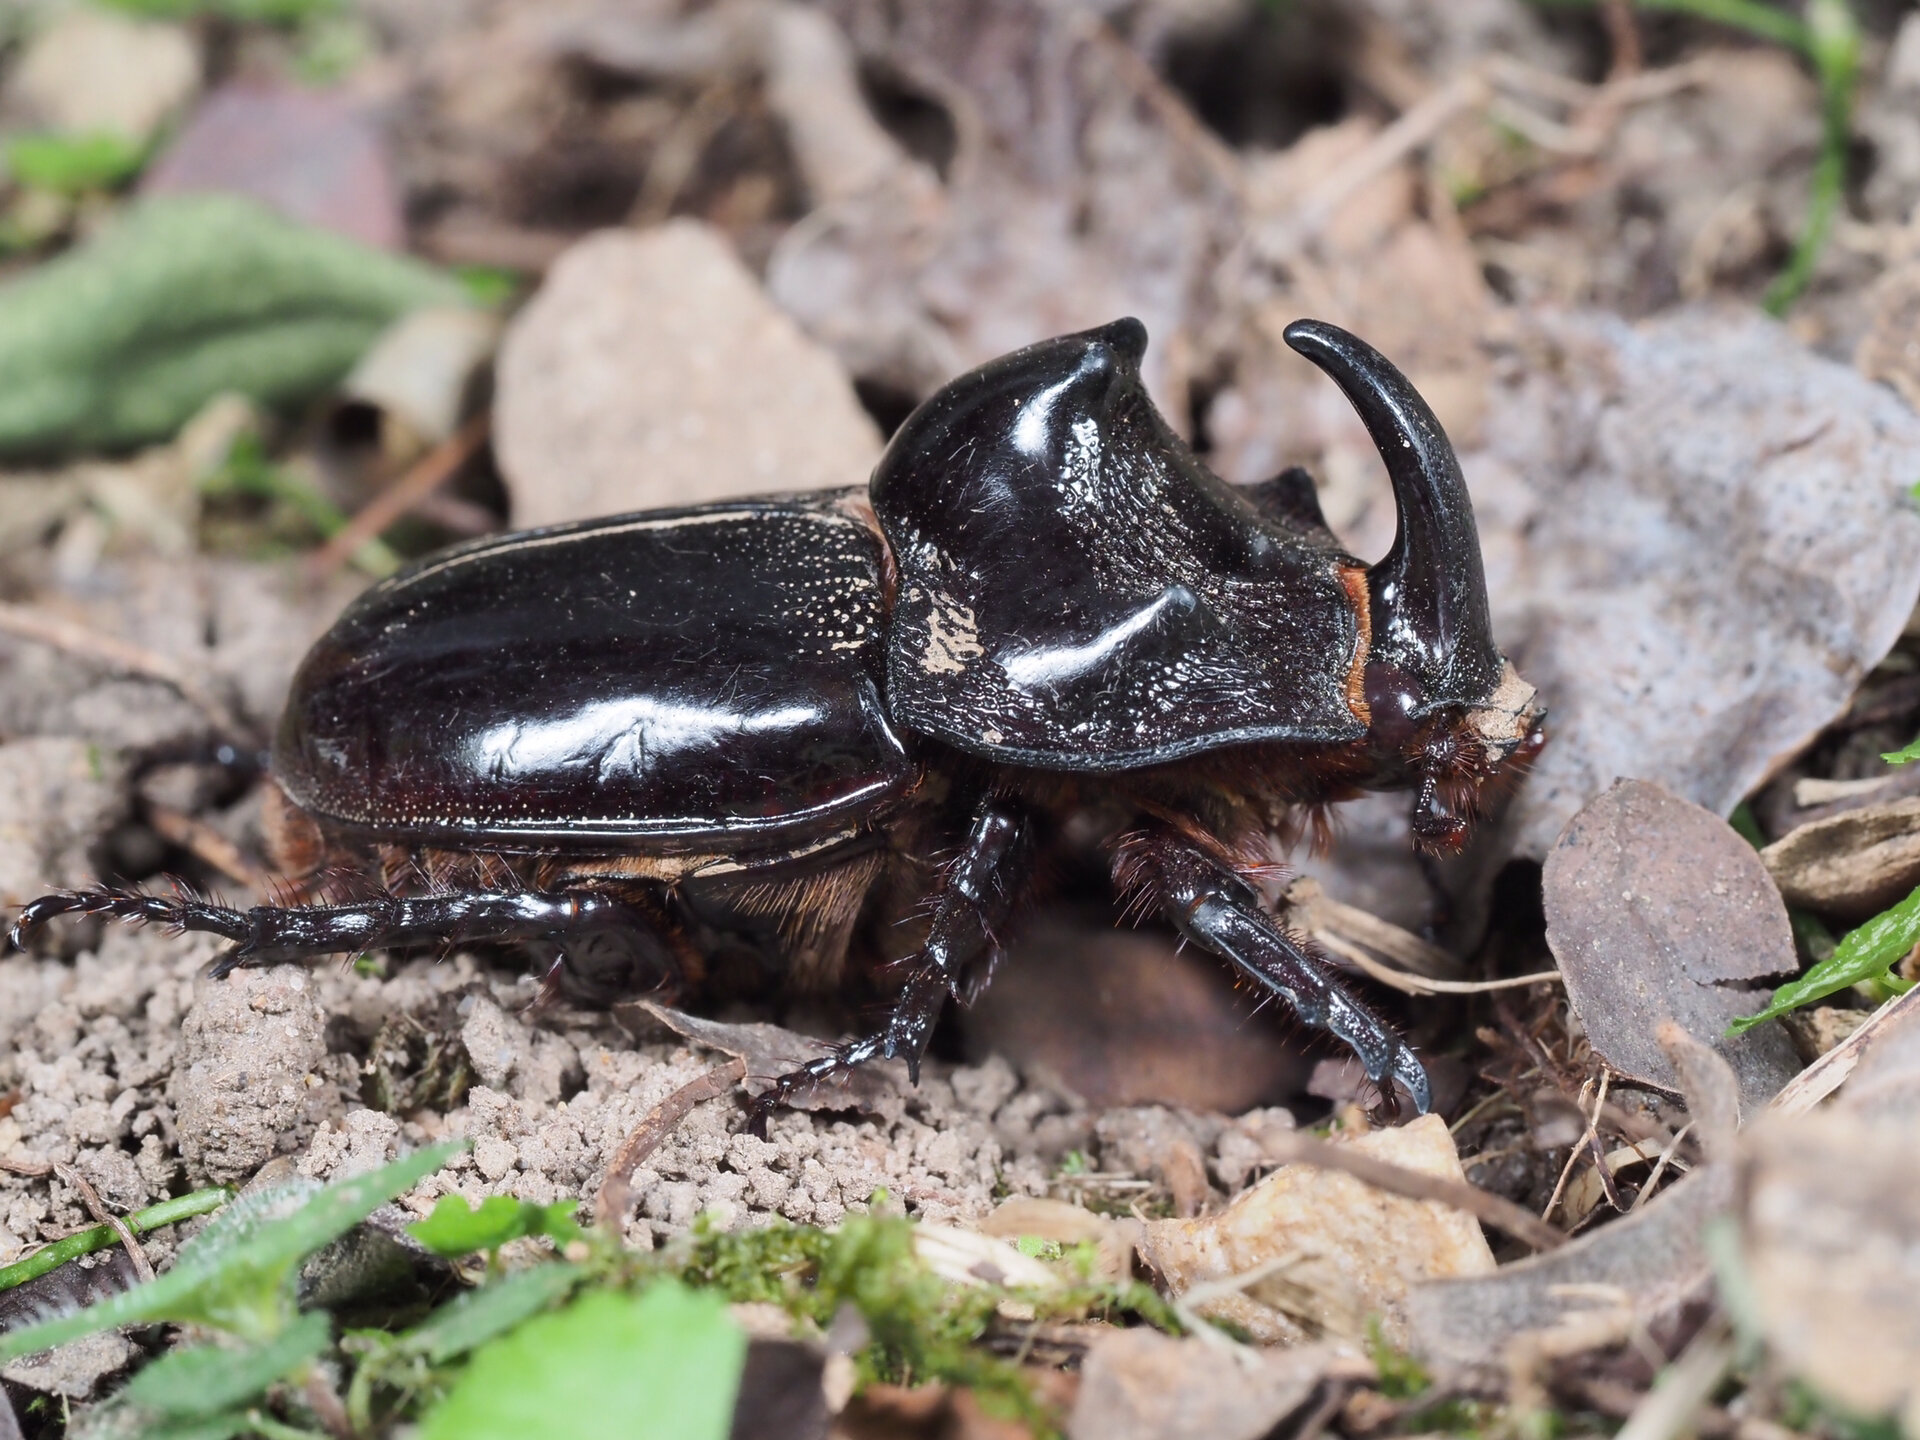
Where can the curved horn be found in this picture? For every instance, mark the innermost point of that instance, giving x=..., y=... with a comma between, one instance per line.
x=1429, y=595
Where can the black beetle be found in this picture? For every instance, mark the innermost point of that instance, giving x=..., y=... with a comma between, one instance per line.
x=631, y=739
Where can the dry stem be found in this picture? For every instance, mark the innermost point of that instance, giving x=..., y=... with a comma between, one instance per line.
x=616, y=1191
x=1488, y=1208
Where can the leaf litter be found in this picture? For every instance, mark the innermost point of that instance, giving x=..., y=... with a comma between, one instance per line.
x=1698, y=542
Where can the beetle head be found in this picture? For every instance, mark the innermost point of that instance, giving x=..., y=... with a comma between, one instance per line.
x=1448, y=712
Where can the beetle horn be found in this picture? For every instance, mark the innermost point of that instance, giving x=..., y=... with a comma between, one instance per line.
x=1429, y=595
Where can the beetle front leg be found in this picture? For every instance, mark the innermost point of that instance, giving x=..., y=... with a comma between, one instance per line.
x=976, y=898
x=1214, y=908
x=267, y=934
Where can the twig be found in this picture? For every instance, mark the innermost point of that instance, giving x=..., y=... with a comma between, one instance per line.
x=1420, y=984
x=326, y=1405
x=1623, y=37
x=1413, y=129
x=616, y=1191
x=142, y=1266
x=1321, y=912
x=1592, y=1134
x=99, y=1237
x=207, y=844
x=29, y=622
x=1831, y=1070
x=1172, y=111
x=1679, y=1395
x=678, y=155
x=1488, y=1208
x=1598, y=1150
x=1659, y=1167
x=1187, y=1304
x=422, y=478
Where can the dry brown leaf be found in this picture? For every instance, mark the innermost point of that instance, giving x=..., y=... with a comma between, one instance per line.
x=1142, y=1385
x=1887, y=351
x=1115, y=203
x=1698, y=542
x=770, y=1052
x=650, y=370
x=1831, y=1228
x=1711, y=1089
x=1852, y=865
x=1064, y=1224
x=1658, y=911
x=1886, y=1072
x=1651, y=1261
x=1329, y=1250
x=315, y=156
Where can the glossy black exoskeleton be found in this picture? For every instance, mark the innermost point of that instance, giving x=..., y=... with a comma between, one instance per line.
x=634, y=741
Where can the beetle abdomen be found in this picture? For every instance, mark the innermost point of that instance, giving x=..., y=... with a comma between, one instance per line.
x=667, y=678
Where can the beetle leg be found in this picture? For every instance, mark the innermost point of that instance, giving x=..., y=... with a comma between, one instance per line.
x=1214, y=908
x=976, y=898
x=267, y=934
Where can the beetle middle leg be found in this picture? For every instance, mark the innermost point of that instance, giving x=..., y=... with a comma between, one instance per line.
x=1217, y=910
x=268, y=934
x=976, y=898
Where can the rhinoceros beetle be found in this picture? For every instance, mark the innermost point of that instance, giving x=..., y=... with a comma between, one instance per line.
x=629, y=739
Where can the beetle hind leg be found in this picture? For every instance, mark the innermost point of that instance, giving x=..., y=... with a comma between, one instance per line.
x=976, y=898
x=1214, y=908
x=181, y=912
x=269, y=934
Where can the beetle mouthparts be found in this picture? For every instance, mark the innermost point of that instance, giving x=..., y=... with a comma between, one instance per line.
x=1430, y=593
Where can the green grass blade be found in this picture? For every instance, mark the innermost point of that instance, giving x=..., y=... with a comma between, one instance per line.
x=199, y=1383
x=74, y=164
x=100, y=1237
x=244, y=1287
x=1867, y=953
x=478, y=1316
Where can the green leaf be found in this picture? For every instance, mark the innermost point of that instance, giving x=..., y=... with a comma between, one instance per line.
x=267, y=12
x=239, y=1276
x=247, y=470
x=488, y=286
x=74, y=164
x=201, y=1382
x=454, y=1229
x=122, y=339
x=663, y=1367
x=478, y=1316
x=1867, y=953
x=217, y=1427
x=1904, y=756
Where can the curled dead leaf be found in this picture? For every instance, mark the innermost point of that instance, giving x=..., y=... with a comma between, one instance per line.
x=770, y=1052
x=1025, y=1216
x=1853, y=864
